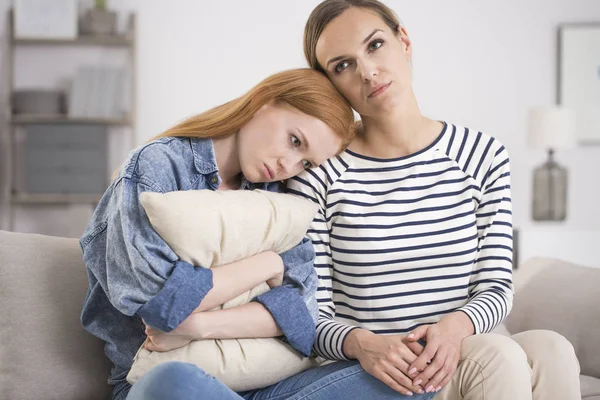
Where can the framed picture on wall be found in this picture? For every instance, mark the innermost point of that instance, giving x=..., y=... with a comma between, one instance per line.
x=579, y=77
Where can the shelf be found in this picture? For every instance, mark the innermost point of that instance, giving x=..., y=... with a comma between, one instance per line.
x=25, y=119
x=110, y=41
x=55, y=198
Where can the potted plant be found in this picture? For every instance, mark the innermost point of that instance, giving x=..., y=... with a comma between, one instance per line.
x=98, y=20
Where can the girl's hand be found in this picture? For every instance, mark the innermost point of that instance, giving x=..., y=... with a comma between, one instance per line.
x=161, y=341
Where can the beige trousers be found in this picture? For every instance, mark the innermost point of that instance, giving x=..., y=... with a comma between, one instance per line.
x=538, y=365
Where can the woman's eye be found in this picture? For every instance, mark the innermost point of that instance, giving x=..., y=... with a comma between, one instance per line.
x=295, y=141
x=375, y=44
x=341, y=66
x=307, y=164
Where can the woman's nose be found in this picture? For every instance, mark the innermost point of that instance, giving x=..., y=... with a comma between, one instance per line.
x=367, y=70
x=289, y=165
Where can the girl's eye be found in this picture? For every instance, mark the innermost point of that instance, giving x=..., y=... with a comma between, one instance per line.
x=375, y=44
x=341, y=66
x=307, y=164
x=295, y=141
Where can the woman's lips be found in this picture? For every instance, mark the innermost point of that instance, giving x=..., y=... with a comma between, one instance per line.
x=379, y=90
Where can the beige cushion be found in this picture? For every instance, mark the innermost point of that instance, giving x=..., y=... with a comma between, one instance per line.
x=562, y=297
x=211, y=228
x=44, y=351
x=590, y=387
x=501, y=330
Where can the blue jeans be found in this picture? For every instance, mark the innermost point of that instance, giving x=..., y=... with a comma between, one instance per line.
x=341, y=380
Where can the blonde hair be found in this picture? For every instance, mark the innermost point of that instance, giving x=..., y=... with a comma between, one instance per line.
x=307, y=90
x=327, y=11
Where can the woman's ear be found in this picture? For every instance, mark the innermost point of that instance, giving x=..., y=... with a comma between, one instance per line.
x=264, y=107
x=406, y=42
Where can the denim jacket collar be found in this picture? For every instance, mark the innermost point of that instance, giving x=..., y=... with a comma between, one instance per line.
x=205, y=159
x=205, y=162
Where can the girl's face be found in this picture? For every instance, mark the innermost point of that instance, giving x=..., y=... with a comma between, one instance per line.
x=367, y=62
x=280, y=142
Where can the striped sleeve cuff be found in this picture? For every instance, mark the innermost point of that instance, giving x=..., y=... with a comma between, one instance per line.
x=486, y=311
x=330, y=339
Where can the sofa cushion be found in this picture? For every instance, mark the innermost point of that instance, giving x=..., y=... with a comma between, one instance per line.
x=562, y=297
x=45, y=353
x=590, y=387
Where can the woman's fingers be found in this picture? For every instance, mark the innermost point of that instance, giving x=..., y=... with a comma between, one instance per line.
x=415, y=347
x=398, y=381
x=443, y=375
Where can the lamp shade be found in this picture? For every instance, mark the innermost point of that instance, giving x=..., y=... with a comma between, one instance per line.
x=552, y=127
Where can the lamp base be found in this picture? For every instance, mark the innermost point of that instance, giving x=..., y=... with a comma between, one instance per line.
x=550, y=182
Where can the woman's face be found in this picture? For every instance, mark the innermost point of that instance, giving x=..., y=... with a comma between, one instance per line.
x=280, y=142
x=367, y=62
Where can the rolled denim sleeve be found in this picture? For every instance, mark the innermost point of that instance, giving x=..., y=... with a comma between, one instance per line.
x=144, y=275
x=294, y=305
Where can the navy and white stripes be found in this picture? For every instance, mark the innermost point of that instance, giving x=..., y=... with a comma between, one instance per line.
x=402, y=242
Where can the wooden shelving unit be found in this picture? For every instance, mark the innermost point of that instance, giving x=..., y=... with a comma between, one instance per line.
x=12, y=198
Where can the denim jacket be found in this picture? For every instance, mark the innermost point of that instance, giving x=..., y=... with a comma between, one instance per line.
x=134, y=274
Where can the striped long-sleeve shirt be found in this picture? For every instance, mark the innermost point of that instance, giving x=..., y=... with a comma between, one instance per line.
x=402, y=242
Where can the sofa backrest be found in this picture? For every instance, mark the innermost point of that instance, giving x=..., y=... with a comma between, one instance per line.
x=44, y=351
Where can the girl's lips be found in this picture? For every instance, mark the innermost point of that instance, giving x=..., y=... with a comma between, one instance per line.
x=268, y=172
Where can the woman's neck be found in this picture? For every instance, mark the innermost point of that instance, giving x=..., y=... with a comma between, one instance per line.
x=228, y=161
x=396, y=133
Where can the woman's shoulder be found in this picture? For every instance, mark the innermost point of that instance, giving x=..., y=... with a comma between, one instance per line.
x=165, y=160
x=475, y=152
x=166, y=153
x=322, y=178
x=460, y=142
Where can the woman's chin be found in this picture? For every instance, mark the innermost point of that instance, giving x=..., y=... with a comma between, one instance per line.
x=254, y=178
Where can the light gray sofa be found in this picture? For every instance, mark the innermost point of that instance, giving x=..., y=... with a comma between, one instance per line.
x=46, y=354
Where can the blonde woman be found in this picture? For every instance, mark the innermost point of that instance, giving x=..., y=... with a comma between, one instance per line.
x=289, y=122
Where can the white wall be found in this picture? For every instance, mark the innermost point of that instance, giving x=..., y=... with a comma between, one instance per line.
x=477, y=63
